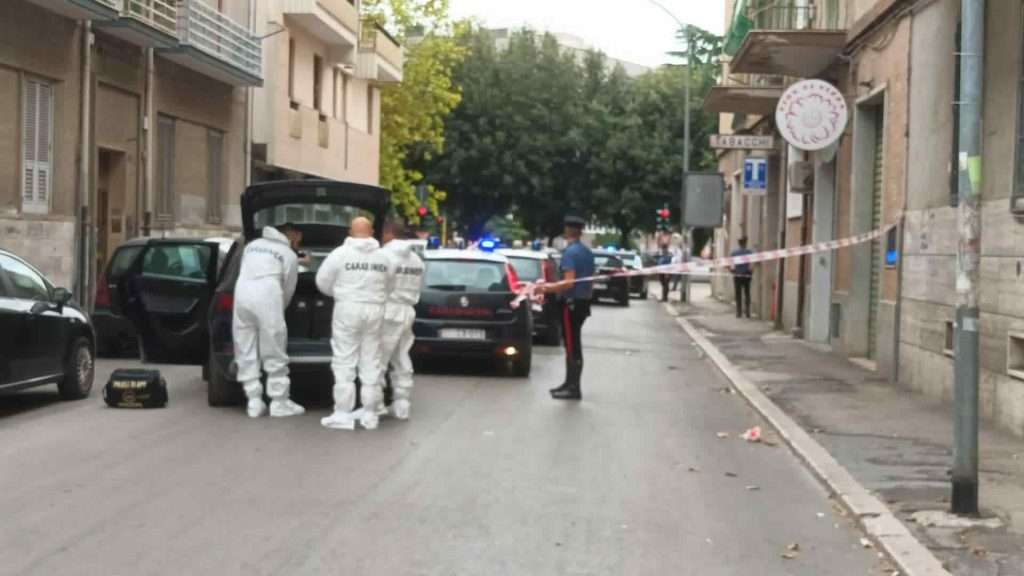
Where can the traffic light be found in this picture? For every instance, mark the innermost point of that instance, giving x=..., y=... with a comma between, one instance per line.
x=664, y=218
x=422, y=211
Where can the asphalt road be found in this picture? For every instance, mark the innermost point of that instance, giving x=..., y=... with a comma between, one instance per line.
x=491, y=477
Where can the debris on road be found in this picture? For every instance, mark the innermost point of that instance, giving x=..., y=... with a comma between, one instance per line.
x=865, y=543
x=753, y=488
x=722, y=435
x=732, y=475
x=693, y=469
x=752, y=435
x=792, y=552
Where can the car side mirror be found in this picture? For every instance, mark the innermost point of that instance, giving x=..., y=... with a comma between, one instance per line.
x=61, y=296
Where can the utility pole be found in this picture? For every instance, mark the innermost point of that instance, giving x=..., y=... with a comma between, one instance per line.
x=968, y=262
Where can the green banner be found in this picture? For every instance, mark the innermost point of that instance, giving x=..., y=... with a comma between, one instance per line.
x=741, y=26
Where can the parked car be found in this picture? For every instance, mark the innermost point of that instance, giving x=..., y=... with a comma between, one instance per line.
x=153, y=296
x=323, y=211
x=614, y=288
x=533, y=266
x=637, y=284
x=466, y=310
x=45, y=337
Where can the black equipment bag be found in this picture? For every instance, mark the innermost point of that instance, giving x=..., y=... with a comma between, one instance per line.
x=135, y=389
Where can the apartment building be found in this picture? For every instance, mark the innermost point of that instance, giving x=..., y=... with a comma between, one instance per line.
x=889, y=304
x=120, y=118
x=318, y=113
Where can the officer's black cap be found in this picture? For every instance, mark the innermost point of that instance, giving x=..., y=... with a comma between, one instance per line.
x=574, y=221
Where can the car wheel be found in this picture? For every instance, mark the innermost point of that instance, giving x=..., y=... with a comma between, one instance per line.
x=221, y=390
x=79, y=370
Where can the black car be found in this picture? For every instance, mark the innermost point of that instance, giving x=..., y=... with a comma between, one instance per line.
x=637, y=284
x=614, y=288
x=45, y=338
x=153, y=296
x=323, y=211
x=466, y=310
x=534, y=266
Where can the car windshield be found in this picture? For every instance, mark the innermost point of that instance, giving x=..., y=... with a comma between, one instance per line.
x=607, y=261
x=527, y=269
x=323, y=214
x=465, y=276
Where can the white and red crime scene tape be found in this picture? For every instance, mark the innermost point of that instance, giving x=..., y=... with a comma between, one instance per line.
x=531, y=292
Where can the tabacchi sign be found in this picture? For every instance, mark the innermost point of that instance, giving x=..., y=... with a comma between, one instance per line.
x=812, y=115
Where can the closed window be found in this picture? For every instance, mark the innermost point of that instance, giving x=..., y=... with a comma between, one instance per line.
x=36, y=146
x=318, y=87
x=165, y=170
x=182, y=262
x=215, y=175
x=23, y=282
x=340, y=95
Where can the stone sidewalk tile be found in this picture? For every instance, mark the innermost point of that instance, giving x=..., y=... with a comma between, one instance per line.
x=894, y=443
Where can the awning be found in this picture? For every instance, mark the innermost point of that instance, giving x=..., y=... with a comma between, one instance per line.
x=760, y=101
x=796, y=53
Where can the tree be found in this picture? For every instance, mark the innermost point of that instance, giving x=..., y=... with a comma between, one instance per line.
x=413, y=113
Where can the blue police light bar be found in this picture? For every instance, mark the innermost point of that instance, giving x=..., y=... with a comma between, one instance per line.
x=488, y=245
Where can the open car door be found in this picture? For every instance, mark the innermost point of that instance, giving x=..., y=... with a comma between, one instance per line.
x=169, y=300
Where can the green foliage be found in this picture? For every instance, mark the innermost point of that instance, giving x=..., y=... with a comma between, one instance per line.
x=538, y=133
x=413, y=113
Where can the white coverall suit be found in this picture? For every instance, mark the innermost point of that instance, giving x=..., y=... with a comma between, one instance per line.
x=399, y=314
x=357, y=276
x=266, y=284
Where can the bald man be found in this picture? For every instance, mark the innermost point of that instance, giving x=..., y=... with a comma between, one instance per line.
x=358, y=277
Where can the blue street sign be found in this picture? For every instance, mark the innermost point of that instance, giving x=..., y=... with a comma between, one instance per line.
x=755, y=176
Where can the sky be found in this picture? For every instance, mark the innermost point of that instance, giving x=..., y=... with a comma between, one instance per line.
x=632, y=30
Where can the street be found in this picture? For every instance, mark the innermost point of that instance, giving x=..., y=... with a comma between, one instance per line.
x=489, y=477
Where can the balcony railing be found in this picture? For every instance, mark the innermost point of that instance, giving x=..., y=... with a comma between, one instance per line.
x=213, y=33
x=159, y=14
x=374, y=43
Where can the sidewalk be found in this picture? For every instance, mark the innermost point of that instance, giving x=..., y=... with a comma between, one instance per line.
x=894, y=443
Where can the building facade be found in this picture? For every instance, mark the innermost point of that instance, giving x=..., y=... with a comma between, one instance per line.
x=318, y=113
x=127, y=118
x=888, y=304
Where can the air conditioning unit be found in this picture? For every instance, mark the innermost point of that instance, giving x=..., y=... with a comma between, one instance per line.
x=801, y=177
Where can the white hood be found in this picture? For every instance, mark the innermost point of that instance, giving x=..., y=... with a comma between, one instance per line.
x=363, y=245
x=275, y=235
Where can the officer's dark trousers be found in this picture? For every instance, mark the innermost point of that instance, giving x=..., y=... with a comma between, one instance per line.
x=574, y=314
x=742, y=285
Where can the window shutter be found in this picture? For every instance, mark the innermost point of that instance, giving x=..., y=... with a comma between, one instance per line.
x=36, y=143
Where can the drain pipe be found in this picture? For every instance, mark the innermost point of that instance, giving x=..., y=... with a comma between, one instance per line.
x=968, y=263
x=250, y=92
x=83, y=264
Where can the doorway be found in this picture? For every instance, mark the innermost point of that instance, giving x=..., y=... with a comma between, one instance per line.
x=111, y=204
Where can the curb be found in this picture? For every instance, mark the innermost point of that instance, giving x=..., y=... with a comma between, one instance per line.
x=913, y=558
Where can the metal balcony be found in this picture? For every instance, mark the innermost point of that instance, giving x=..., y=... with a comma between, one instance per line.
x=380, y=56
x=83, y=9
x=146, y=23
x=785, y=39
x=215, y=45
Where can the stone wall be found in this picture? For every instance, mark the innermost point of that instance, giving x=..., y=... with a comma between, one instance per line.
x=48, y=244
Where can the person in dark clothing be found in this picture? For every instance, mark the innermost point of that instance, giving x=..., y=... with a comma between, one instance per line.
x=664, y=259
x=577, y=262
x=742, y=275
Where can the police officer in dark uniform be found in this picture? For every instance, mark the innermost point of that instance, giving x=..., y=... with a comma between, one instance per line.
x=577, y=262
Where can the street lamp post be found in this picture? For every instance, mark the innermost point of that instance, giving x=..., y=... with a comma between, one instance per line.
x=686, y=136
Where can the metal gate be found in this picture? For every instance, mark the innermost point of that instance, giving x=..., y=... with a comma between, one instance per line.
x=876, y=221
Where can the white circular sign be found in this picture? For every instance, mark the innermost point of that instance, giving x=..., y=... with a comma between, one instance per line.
x=812, y=115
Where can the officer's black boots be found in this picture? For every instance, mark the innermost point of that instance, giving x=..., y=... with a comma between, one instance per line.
x=567, y=392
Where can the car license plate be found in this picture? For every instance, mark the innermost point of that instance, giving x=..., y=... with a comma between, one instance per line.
x=463, y=334
x=600, y=285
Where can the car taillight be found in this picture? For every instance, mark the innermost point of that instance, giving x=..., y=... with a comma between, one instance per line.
x=225, y=302
x=513, y=278
x=102, y=292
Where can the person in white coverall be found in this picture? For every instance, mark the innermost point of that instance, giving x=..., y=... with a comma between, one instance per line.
x=357, y=276
x=399, y=314
x=266, y=284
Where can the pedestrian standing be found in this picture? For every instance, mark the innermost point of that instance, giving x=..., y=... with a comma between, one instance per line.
x=397, y=337
x=357, y=276
x=664, y=259
x=266, y=284
x=678, y=257
x=742, y=275
x=577, y=262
